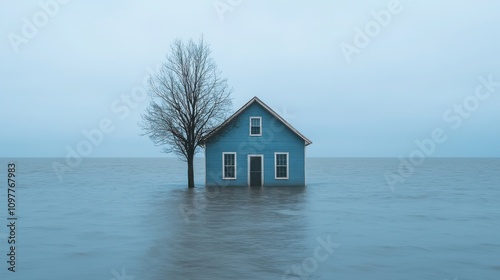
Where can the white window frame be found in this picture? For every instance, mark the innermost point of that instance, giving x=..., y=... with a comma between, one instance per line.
x=287, y=166
x=260, y=125
x=224, y=165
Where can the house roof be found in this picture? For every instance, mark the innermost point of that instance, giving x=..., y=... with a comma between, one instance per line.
x=271, y=111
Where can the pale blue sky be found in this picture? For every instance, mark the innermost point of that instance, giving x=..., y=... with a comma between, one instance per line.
x=428, y=57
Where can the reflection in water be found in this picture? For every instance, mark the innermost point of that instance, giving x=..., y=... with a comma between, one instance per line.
x=109, y=216
x=226, y=231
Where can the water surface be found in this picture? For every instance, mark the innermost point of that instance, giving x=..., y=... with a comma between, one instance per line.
x=125, y=219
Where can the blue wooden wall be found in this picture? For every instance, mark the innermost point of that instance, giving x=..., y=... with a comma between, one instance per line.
x=276, y=137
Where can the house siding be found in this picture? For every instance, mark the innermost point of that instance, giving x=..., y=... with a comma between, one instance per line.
x=276, y=138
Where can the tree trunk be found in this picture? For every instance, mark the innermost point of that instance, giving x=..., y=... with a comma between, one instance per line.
x=190, y=161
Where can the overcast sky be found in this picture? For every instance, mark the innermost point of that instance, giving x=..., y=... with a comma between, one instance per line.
x=356, y=83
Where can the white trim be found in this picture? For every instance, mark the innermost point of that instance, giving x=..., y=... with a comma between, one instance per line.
x=256, y=99
x=305, y=166
x=235, y=166
x=262, y=166
x=287, y=166
x=260, y=126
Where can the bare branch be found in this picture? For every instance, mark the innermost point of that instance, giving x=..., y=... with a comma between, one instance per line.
x=189, y=99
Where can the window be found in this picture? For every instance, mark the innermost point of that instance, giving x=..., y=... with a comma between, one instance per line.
x=255, y=126
x=281, y=165
x=229, y=165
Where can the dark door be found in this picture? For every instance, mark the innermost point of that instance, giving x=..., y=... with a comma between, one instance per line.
x=255, y=171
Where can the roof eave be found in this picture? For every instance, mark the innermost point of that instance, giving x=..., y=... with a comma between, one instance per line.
x=307, y=142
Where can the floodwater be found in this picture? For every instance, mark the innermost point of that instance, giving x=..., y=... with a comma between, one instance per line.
x=134, y=219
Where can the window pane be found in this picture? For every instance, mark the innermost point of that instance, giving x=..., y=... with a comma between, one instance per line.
x=281, y=166
x=229, y=165
x=255, y=126
x=281, y=159
x=229, y=172
x=281, y=172
x=255, y=130
x=228, y=159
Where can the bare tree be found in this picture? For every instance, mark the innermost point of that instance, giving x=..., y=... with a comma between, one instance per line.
x=189, y=99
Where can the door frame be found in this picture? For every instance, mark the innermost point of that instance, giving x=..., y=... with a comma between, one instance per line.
x=262, y=166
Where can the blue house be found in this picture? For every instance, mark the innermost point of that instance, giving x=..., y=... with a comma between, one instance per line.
x=255, y=147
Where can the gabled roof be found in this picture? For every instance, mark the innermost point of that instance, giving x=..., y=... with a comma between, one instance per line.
x=271, y=111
